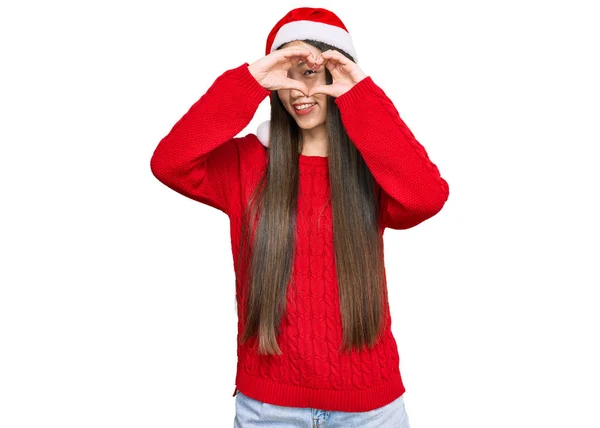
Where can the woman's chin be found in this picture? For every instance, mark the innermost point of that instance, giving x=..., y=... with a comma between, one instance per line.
x=308, y=124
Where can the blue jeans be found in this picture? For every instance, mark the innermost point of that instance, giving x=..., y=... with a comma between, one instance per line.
x=251, y=413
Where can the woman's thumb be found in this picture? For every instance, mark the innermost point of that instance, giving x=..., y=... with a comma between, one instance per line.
x=300, y=86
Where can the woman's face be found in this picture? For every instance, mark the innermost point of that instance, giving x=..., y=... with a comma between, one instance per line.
x=313, y=116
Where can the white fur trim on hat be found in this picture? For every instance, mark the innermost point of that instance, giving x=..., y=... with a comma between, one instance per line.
x=263, y=132
x=319, y=31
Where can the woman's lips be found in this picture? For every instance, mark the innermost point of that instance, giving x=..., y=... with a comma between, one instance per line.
x=305, y=111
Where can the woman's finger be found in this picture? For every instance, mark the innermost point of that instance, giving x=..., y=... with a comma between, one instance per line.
x=334, y=55
x=289, y=53
x=296, y=84
x=323, y=89
x=297, y=55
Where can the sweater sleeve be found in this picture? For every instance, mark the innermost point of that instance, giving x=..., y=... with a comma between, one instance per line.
x=199, y=157
x=412, y=188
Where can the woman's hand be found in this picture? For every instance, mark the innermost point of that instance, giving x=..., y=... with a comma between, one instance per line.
x=271, y=71
x=345, y=74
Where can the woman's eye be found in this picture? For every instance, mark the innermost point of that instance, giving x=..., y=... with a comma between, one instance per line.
x=312, y=71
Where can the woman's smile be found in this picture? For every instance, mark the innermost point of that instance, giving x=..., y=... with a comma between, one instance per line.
x=303, y=109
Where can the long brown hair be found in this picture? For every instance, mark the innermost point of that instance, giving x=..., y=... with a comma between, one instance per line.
x=267, y=254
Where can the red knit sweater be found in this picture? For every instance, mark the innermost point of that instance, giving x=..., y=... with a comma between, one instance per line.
x=202, y=159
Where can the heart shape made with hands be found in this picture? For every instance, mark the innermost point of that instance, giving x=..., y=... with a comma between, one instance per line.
x=344, y=72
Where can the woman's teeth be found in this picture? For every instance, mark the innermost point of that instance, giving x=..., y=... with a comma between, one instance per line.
x=303, y=106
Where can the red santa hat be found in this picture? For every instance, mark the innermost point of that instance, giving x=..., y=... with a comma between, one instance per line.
x=307, y=23
x=311, y=23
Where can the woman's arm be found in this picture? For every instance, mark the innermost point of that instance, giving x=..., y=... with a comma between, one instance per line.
x=199, y=156
x=413, y=189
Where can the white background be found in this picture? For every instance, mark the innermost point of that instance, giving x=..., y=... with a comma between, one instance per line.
x=117, y=294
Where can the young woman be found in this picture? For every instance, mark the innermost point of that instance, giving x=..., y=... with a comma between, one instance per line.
x=308, y=199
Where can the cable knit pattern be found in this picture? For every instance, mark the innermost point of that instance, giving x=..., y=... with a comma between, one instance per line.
x=202, y=159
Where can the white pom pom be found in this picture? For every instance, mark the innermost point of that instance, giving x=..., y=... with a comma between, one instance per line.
x=263, y=131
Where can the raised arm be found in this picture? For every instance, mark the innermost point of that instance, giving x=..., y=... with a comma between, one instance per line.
x=199, y=156
x=413, y=189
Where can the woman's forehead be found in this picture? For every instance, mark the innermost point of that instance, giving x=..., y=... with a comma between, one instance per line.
x=313, y=49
